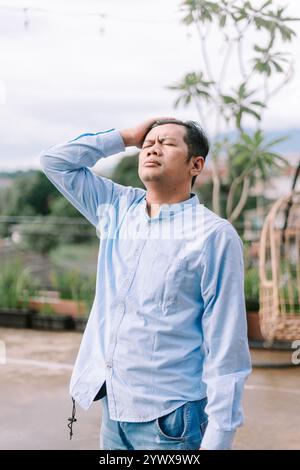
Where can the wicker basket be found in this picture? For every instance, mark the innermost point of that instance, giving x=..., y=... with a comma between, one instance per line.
x=279, y=271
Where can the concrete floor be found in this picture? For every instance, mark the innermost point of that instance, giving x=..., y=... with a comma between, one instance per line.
x=35, y=404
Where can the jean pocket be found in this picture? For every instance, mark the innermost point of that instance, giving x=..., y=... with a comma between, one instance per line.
x=174, y=426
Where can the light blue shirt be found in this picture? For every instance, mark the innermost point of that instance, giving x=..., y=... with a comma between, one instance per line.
x=168, y=322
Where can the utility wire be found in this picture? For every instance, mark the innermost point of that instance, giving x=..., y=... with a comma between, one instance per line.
x=81, y=14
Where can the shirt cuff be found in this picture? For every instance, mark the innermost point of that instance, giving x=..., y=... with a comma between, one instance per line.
x=215, y=439
x=111, y=142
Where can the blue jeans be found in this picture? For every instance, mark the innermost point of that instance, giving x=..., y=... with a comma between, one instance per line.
x=181, y=429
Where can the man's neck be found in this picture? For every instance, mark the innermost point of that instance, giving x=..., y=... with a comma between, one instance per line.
x=155, y=199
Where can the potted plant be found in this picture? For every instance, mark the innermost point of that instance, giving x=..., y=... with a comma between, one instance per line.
x=17, y=285
x=71, y=300
x=252, y=303
x=47, y=319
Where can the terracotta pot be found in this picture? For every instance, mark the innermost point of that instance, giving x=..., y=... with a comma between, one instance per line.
x=254, y=332
x=58, y=306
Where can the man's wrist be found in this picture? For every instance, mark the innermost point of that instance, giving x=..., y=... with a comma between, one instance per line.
x=127, y=137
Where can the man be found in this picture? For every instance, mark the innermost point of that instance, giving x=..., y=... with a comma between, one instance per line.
x=165, y=347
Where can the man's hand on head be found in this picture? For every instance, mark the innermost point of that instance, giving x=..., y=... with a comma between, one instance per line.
x=134, y=136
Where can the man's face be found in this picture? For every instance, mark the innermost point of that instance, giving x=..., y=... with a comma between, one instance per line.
x=163, y=157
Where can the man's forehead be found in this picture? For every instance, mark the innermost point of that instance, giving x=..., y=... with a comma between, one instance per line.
x=173, y=131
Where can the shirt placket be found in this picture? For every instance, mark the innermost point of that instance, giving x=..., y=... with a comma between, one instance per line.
x=111, y=386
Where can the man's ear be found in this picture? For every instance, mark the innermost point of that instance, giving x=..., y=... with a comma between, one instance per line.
x=197, y=165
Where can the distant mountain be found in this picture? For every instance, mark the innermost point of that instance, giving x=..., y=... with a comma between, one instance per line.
x=16, y=174
x=289, y=146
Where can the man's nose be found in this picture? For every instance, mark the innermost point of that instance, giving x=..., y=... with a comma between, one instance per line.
x=154, y=149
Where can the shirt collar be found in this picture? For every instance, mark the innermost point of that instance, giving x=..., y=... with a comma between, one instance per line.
x=169, y=210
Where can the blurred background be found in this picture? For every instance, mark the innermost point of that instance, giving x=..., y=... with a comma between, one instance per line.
x=86, y=66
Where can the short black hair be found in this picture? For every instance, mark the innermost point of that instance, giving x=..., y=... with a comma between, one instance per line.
x=195, y=138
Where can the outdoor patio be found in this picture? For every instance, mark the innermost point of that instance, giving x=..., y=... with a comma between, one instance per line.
x=35, y=405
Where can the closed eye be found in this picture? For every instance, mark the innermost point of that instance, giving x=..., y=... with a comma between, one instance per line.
x=163, y=143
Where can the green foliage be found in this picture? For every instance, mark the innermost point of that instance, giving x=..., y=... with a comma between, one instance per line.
x=73, y=285
x=40, y=235
x=43, y=234
x=61, y=207
x=17, y=285
x=240, y=104
x=47, y=310
x=192, y=86
x=249, y=157
x=71, y=256
x=269, y=62
x=29, y=194
x=126, y=172
x=251, y=152
x=32, y=194
x=200, y=10
x=252, y=284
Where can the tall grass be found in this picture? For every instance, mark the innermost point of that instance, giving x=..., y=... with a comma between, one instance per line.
x=73, y=285
x=17, y=285
x=252, y=284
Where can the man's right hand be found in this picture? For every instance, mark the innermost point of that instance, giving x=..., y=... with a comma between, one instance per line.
x=135, y=136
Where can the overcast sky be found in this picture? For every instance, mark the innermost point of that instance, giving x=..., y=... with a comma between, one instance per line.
x=61, y=76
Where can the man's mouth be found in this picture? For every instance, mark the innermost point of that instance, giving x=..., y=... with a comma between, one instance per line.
x=150, y=162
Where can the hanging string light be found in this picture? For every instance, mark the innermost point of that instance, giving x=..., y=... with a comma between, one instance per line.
x=26, y=11
x=26, y=18
x=101, y=27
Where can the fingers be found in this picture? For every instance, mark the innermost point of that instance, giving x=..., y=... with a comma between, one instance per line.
x=145, y=127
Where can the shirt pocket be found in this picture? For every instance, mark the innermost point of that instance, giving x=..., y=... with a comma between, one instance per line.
x=153, y=279
x=174, y=283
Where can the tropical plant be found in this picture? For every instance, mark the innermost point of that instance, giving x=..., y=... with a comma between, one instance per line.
x=262, y=29
x=250, y=158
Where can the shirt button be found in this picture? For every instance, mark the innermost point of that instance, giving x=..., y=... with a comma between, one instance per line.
x=109, y=366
